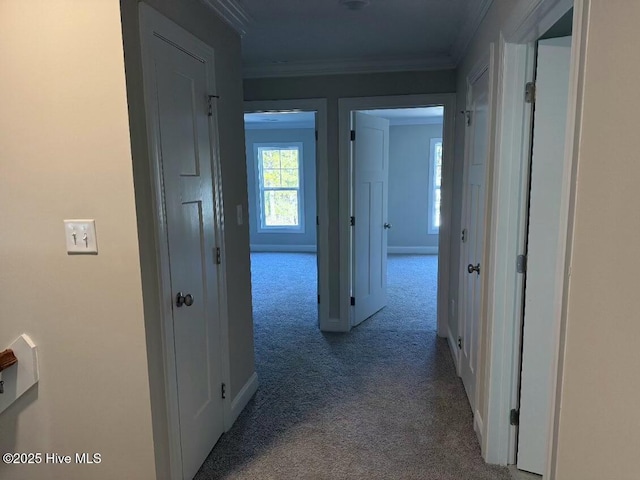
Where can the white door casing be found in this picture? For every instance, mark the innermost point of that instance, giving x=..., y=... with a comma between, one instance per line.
x=543, y=294
x=370, y=202
x=178, y=74
x=477, y=131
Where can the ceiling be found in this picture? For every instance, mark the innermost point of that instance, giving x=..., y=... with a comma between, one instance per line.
x=302, y=37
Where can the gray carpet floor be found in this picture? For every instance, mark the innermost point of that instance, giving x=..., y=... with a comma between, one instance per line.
x=382, y=402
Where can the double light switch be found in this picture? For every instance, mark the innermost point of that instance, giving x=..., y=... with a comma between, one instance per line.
x=80, y=236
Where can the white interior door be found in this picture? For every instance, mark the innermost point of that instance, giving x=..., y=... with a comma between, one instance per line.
x=370, y=198
x=542, y=292
x=474, y=224
x=181, y=82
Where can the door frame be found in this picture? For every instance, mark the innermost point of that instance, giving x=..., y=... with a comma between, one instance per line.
x=516, y=49
x=152, y=23
x=345, y=173
x=318, y=105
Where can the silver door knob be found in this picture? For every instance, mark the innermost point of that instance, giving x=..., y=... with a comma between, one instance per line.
x=184, y=299
x=387, y=226
x=471, y=268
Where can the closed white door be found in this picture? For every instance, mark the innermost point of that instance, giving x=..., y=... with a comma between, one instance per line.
x=474, y=225
x=185, y=144
x=370, y=199
x=542, y=292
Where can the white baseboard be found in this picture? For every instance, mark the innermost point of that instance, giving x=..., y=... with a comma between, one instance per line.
x=455, y=351
x=413, y=250
x=243, y=397
x=478, y=426
x=284, y=248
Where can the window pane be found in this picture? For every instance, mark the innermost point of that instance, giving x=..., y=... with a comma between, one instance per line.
x=290, y=178
x=281, y=208
x=289, y=158
x=271, y=178
x=270, y=158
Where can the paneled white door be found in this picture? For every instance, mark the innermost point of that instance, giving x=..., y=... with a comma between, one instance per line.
x=370, y=202
x=474, y=226
x=181, y=82
x=543, y=295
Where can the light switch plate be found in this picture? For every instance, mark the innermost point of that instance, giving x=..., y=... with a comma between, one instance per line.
x=80, y=236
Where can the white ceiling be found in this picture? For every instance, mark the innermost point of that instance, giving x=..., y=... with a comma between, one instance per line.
x=294, y=37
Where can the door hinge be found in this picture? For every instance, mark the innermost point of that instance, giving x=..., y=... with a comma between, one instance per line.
x=218, y=256
x=353, y=221
x=467, y=117
x=530, y=92
x=223, y=390
x=514, y=417
x=210, y=103
x=521, y=263
x=316, y=135
x=463, y=235
x=460, y=343
x=353, y=300
x=353, y=135
x=318, y=298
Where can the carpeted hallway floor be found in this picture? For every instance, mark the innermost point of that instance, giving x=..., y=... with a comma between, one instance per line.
x=382, y=402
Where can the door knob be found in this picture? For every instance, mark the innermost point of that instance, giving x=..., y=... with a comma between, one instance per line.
x=471, y=268
x=387, y=226
x=184, y=299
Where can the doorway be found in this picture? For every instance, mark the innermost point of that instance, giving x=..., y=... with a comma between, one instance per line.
x=519, y=229
x=286, y=153
x=397, y=164
x=366, y=228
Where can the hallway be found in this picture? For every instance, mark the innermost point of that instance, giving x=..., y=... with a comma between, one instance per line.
x=382, y=402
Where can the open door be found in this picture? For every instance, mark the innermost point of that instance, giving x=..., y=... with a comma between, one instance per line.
x=542, y=292
x=473, y=236
x=370, y=147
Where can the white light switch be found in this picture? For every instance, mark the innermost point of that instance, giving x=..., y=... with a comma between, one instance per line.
x=80, y=236
x=239, y=215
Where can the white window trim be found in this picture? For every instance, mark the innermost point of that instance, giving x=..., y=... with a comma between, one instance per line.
x=431, y=229
x=262, y=228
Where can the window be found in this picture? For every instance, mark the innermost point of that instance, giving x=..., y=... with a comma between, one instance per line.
x=280, y=187
x=435, y=181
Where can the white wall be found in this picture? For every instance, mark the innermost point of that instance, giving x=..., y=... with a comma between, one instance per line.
x=65, y=153
x=409, y=156
x=599, y=424
x=333, y=87
x=306, y=136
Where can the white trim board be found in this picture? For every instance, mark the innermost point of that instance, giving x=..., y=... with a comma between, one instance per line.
x=318, y=105
x=348, y=66
x=243, y=397
x=345, y=107
x=284, y=248
x=412, y=250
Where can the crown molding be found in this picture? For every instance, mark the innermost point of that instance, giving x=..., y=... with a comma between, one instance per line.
x=232, y=12
x=475, y=16
x=348, y=65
